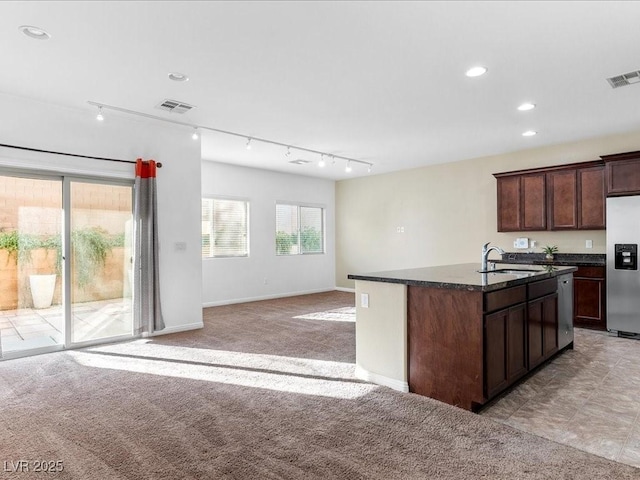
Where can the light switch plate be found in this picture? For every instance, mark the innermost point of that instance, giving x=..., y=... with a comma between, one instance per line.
x=521, y=242
x=364, y=300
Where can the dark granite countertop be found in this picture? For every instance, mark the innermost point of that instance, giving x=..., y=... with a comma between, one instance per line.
x=559, y=259
x=465, y=276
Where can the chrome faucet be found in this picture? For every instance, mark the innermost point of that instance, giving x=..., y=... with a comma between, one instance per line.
x=486, y=249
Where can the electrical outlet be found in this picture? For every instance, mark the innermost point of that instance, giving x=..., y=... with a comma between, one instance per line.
x=589, y=244
x=521, y=242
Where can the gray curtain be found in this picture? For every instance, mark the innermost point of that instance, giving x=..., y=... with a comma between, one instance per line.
x=146, y=291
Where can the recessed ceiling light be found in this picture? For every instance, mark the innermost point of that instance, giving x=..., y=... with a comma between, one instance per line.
x=529, y=133
x=476, y=71
x=34, y=32
x=526, y=106
x=178, y=77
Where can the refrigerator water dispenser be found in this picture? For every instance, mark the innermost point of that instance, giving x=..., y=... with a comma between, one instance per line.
x=626, y=256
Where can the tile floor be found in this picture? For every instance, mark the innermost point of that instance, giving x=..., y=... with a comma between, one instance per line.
x=29, y=328
x=588, y=398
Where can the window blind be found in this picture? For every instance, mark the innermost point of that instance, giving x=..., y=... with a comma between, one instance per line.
x=224, y=228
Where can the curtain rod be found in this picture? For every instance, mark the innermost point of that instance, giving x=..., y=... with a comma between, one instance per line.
x=158, y=164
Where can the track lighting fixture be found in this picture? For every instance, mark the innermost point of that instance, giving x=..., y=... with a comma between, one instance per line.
x=369, y=169
x=250, y=140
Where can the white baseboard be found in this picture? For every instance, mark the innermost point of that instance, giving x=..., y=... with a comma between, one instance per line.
x=348, y=290
x=178, y=328
x=378, y=379
x=264, y=297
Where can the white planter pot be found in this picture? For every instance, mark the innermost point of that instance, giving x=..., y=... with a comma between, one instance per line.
x=42, y=287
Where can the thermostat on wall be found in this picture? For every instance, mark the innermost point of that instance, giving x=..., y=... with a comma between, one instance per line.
x=521, y=243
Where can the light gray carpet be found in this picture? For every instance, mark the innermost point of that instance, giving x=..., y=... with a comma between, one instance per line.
x=264, y=391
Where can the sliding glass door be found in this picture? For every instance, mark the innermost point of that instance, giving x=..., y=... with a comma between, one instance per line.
x=65, y=279
x=100, y=266
x=31, y=313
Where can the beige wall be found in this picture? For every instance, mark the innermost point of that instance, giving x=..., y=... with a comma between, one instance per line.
x=448, y=211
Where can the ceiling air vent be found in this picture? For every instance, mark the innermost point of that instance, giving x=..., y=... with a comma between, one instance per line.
x=300, y=161
x=623, y=80
x=174, y=106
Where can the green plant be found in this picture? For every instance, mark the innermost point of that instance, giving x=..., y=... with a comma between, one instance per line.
x=90, y=247
x=311, y=240
x=550, y=249
x=284, y=242
x=19, y=245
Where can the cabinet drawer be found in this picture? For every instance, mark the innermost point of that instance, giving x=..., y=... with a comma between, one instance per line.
x=590, y=272
x=542, y=288
x=504, y=298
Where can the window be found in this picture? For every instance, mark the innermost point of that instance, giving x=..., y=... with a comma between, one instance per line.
x=299, y=229
x=225, y=227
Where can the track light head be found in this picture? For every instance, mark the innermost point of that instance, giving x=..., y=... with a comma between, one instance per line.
x=369, y=168
x=288, y=154
x=249, y=143
x=348, y=168
x=321, y=163
x=99, y=116
x=195, y=135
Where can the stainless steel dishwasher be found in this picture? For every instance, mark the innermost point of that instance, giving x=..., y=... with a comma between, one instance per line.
x=565, y=310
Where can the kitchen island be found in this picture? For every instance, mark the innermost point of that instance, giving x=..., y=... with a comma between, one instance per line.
x=454, y=334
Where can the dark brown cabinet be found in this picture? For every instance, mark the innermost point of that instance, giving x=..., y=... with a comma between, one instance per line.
x=623, y=173
x=534, y=202
x=466, y=347
x=567, y=197
x=505, y=348
x=591, y=198
x=509, y=215
x=522, y=203
x=562, y=187
x=542, y=313
x=589, y=297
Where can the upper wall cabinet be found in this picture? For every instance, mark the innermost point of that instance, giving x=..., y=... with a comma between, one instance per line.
x=623, y=173
x=591, y=198
x=521, y=202
x=568, y=197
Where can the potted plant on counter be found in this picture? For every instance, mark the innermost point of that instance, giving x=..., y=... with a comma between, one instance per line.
x=550, y=251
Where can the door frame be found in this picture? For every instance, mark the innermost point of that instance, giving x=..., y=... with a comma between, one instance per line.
x=65, y=180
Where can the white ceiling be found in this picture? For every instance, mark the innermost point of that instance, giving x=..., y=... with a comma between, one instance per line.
x=382, y=82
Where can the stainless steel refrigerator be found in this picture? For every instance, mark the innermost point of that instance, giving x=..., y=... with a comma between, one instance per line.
x=623, y=276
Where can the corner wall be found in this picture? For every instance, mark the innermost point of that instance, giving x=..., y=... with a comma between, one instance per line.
x=263, y=274
x=46, y=126
x=448, y=211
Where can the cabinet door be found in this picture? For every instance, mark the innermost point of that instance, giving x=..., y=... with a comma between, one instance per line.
x=591, y=198
x=589, y=309
x=509, y=219
x=534, y=210
x=516, y=342
x=535, y=309
x=623, y=175
x=495, y=349
x=550, y=325
x=505, y=348
x=562, y=200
